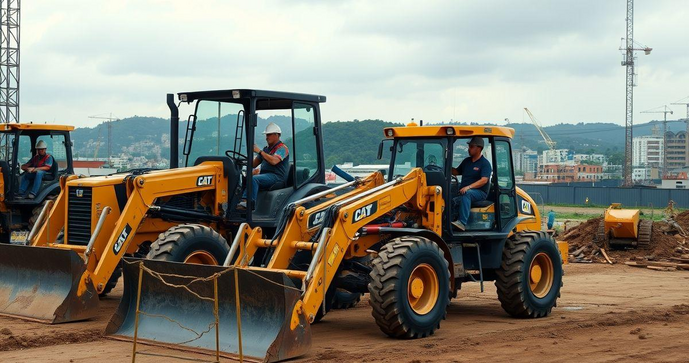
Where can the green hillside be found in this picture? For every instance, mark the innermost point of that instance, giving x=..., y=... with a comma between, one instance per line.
x=344, y=141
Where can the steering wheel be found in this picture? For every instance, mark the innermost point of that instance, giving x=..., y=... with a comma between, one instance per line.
x=238, y=157
x=455, y=179
x=432, y=168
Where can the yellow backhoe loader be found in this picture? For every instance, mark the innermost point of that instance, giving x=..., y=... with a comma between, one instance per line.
x=274, y=284
x=182, y=214
x=17, y=146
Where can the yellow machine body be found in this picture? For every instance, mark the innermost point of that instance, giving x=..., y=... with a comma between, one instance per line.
x=622, y=223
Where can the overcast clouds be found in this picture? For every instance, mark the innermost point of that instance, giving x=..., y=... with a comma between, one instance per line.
x=392, y=60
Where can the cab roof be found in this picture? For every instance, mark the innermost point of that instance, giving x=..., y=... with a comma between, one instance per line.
x=413, y=130
x=35, y=127
x=235, y=94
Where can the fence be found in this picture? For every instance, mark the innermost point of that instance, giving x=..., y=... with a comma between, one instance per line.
x=629, y=197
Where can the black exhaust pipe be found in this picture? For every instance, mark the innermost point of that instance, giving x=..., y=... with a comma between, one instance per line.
x=174, y=131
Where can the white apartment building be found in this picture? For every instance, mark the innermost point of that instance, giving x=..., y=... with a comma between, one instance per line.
x=555, y=156
x=647, y=151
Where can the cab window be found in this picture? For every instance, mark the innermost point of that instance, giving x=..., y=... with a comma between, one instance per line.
x=426, y=154
x=56, y=148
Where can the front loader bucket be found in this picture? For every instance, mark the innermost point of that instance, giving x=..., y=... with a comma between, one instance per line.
x=41, y=283
x=175, y=317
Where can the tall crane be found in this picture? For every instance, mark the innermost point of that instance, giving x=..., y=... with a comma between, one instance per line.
x=685, y=102
x=664, y=111
x=109, y=125
x=628, y=61
x=548, y=141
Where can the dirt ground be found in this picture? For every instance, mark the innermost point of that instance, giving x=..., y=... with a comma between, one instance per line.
x=606, y=313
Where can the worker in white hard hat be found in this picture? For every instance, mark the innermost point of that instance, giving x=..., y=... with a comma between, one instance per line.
x=34, y=170
x=273, y=161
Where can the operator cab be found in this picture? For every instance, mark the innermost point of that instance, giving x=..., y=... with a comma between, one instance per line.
x=439, y=149
x=17, y=147
x=226, y=124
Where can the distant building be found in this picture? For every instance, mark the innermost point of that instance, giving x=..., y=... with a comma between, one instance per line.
x=525, y=160
x=555, y=156
x=645, y=173
x=647, y=151
x=569, y=172
x=595, y=158
x=676, y=149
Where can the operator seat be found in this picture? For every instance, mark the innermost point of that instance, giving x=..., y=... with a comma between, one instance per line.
x=52, y=173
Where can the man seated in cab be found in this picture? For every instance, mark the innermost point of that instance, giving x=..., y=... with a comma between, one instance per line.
x=273, y=161
x=34, y=170
x=475, y=171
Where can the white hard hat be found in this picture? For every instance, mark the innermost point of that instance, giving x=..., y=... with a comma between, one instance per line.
x=41, y=145
x=272, y=128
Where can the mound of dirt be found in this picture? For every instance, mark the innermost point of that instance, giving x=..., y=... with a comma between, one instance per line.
x=583, y=247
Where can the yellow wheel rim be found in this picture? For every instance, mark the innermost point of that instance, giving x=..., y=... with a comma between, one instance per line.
x=422, y=289
x=201, y=258
x=541, y=274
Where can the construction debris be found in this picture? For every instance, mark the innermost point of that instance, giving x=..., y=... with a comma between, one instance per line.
x=668, y=251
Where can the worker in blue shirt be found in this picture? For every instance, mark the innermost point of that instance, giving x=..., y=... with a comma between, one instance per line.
x=34, y=170
x=475, y=171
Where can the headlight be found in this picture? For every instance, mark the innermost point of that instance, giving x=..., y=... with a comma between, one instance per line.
x=235, y=94
x=389, y=132
x=450, y=131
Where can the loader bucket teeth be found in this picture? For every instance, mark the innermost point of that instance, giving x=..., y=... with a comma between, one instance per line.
x=174, y=317
x=39, y=283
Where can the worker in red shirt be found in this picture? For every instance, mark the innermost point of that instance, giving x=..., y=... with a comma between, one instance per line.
x=34, y=170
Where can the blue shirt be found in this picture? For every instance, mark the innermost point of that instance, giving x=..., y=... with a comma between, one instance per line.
x=280, y=169
x=473, y=171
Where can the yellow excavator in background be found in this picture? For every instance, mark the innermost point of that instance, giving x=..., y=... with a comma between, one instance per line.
x=624, y=228
x=277, y=283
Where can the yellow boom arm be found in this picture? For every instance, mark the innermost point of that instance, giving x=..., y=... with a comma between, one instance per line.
x=342, y=218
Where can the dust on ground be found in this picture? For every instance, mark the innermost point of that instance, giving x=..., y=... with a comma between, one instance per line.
x=606, y=313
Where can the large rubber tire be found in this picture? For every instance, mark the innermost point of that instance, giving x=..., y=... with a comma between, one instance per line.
x=345, y=300
x=112, y=281
x=645, y=234
x=515, y=292
x=390, y=287
x=180, y=242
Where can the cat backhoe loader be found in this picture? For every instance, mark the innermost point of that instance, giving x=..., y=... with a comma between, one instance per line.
x=17, y=146
x=265, y=306
x=182, y=214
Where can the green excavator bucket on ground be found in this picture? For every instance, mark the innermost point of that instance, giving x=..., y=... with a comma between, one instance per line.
x=184, y=318
x=41, y=283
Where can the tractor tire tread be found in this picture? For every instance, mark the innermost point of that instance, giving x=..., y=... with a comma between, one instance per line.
x=509, y=277
x=385, y=277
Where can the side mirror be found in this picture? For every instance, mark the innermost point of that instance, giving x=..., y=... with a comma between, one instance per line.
x=381, y=146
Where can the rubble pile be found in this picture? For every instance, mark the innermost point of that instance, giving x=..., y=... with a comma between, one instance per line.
x=669, y=249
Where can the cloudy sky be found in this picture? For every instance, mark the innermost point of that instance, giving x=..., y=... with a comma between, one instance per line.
x=392, y=60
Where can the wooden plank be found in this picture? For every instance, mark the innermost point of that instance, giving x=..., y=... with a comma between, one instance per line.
x=660, y=268
x=602, y=250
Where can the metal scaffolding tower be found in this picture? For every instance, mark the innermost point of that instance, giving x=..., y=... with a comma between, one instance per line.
x=9, y=60
x=628, y=61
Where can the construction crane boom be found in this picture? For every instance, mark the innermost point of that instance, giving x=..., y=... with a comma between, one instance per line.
x=548, y=141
